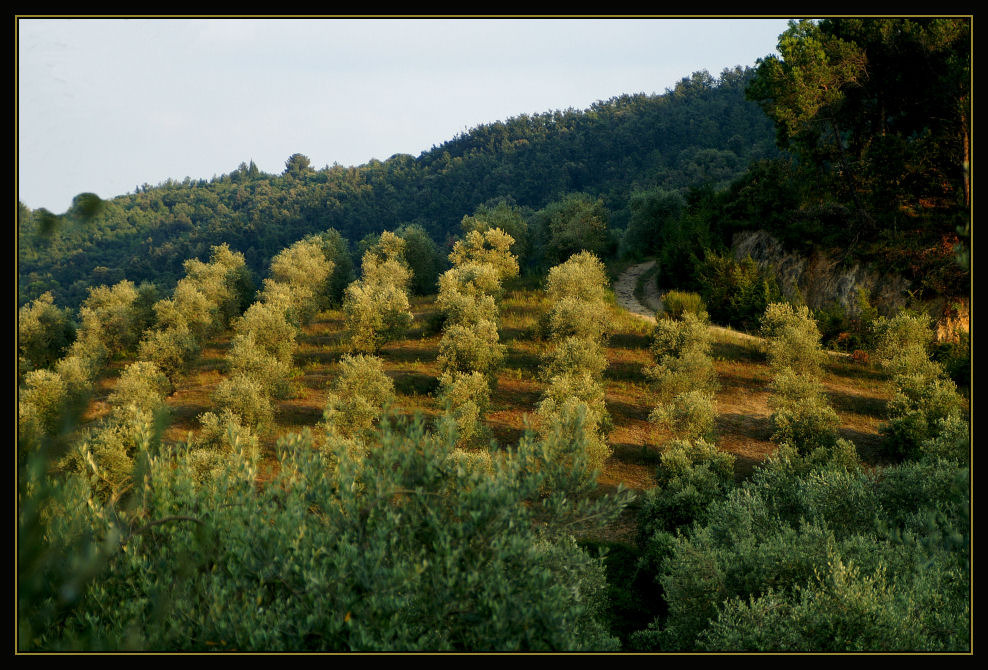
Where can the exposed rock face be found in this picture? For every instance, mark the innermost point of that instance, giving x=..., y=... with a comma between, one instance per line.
x=823, y=280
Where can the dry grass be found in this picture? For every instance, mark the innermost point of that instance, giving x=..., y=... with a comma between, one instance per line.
x=742, y=428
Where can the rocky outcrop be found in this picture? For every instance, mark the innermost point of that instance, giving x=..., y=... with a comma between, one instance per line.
x=821, y=279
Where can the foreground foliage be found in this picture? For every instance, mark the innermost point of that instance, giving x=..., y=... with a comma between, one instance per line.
x=822, y=558
x=398, y=548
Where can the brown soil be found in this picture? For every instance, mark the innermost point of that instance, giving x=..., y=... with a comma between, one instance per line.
x=742, y=427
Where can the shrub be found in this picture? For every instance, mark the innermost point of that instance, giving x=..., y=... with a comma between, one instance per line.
x=793, y=339
x=77, y=373
x=796, y=559
x=582, y=276
x=923, y=396
x=902, y=343
x=384, y=263
x=170, y=350
x=576, y=443
x=469, y=293
x=248, y=358
x=44, y=333
x=573, y=355
x=108, y=314
x=359, y=397
x=492, y=246
x=465, y=398
x=688, y=416
x=504, y=215
x=375, y=314
x=437, y=558
x=676, y=303
x=220, y=438
x=471, y=349
x=245, y=398
x=683, y=363
x=677, y=338
x=141, y=388
x=801, y=416
x=691, y=476
x=40, y=405
x=270, y=328
x=736, y=292
x=951, y=439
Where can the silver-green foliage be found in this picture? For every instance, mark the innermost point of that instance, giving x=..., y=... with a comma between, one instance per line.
x=358, y=399
x=376, y=307
x=491, y=246
x=39, y=405
x=471, y=348
x=924, y=397
x=468, y=293
x=683, y=377
x=435, y=556
x=573, y=404
x=249, y=358
x=823, y=558
x=247, y=399
x=465, y=398
x=573, y=354
x=577, y=294
x=573, y=407
x=802, y=416
x=220, y=439
x=44, y=333
x=677, y=303
x=793, y=339
x=689, y=415
x=298, y=280
x=108, y=315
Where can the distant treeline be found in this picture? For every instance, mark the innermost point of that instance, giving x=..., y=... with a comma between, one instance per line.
x=856, y=137
x=701, y=131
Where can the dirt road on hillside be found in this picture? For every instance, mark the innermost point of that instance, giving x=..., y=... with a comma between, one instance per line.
x=624, y=291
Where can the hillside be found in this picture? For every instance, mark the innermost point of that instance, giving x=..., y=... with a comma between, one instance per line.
x=857, y=391
x=622, y=379
x=702, y=131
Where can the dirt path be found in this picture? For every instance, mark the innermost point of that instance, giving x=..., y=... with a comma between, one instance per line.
x=624, y=291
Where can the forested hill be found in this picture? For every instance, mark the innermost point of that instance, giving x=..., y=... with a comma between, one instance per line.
x=702, y=131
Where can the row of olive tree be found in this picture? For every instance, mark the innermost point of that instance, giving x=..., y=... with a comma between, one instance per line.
x=260, y=359
x=202, y=305
x=110, y=323
x=577, y=326
x=815, y=553
x=683, y=377
x=376, y=309
x=204, y=302
x=926, y=413
x=802, y=418
x=692, y=472
x=470, y=352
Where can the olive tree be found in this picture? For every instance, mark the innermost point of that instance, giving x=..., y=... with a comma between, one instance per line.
x=44, y=333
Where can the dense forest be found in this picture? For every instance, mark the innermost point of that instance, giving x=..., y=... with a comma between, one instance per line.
x=703, y=131
x=402, y=407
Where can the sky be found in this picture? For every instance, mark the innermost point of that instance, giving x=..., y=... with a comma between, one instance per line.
x=106, y=105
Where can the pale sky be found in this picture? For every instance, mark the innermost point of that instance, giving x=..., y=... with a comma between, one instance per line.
x=105, y=105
